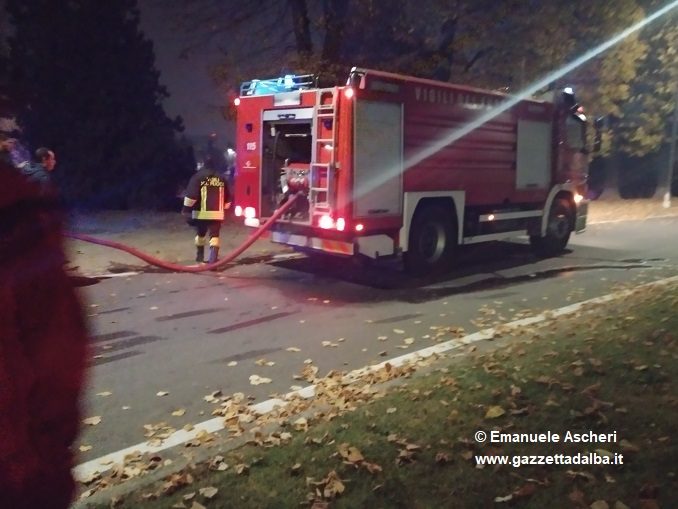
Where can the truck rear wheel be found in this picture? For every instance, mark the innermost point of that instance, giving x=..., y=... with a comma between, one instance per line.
x=431, y=243
x=558, y=230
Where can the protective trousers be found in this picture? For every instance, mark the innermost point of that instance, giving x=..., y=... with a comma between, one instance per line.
x=205, y=230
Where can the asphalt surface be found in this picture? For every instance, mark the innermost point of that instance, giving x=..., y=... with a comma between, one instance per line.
x=180, y=334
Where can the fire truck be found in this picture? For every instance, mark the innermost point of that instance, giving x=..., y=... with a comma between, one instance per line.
x=391, y=165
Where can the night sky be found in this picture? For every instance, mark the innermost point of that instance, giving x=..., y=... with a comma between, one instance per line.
x=193, y=94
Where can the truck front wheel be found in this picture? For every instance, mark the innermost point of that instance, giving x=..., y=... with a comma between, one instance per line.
x=431, y=243
x=558, y=230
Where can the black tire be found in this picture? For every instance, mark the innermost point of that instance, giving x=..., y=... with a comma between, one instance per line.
x=432, y=242
x=558, y=230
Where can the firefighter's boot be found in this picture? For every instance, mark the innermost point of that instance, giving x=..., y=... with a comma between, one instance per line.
x=214, y=254
x=200, y=242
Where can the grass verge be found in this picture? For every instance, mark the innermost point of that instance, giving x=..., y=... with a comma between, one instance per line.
x=613, y=368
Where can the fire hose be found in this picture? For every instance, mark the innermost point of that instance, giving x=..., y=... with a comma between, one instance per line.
x=188, y=268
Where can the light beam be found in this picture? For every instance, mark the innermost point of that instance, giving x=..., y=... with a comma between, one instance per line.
x=512, y=100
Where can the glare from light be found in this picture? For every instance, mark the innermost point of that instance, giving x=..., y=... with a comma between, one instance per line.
x=341, y=224
x=349, y=92
x=436, y=146
x=568, y=90
x=578, y=198
x=490, y=217
x=328, y=146
x=359, y=227
x=288, y=81
x=326, y=222
x=237, y=211
x=250, y=212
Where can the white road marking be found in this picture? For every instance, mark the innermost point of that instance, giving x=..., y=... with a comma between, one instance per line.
x=107, y=275
x=99, y=465
x=612, y=221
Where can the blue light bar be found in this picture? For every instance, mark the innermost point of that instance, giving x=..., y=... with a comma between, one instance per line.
x=286, y=83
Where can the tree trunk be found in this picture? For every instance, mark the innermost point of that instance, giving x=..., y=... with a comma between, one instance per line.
x=335, y=17
x=302, y=32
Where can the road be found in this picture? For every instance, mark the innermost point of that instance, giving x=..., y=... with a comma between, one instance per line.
x=190, y=335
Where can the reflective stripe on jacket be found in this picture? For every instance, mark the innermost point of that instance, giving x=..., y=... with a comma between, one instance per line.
x=206, y=195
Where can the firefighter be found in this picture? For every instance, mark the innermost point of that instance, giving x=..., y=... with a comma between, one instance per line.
x=207, y=197
x=43, y=348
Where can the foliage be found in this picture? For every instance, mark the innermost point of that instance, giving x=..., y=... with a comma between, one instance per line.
x=83, y=76
x=501, y=45
x=646, y=123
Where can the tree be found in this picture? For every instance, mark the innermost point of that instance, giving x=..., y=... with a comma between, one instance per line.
x=83, y=76
x=646, y=116
x=502, y=45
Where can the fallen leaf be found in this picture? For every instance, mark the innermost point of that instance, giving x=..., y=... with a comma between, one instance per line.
x=442, y=458
x=301, y=424
x=92, y=421
x=628, y=446
x=85, y=448
x=494, y=411
x=350, y=453
x=391, y=410
x=292, y=349
x=506, y=498
x=232, y=363
x=104, y=394
x=258, y=380
x=372, y=468
x=526, y=490
x=208, y=492
x=179, y=412
x=599, y=504
x=162, y=393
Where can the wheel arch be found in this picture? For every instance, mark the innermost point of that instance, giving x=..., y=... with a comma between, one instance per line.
x=413, y=202
x=560, y=192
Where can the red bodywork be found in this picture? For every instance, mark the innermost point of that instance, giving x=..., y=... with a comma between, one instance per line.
x=482, y=163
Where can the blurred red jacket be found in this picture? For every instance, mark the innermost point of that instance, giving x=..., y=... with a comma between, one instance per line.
x=43, y=344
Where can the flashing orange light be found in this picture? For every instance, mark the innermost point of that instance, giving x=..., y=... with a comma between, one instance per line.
x=341, y=224
x=326, y=222
x=359, y=227
x=236, y=101
x=349, y=92
x=237, y=211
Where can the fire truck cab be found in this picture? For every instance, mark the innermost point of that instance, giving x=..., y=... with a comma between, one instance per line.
x=395, y=165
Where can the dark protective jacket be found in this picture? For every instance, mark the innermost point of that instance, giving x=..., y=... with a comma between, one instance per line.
x=206, y=195
x=42, y=350
x=37, y=173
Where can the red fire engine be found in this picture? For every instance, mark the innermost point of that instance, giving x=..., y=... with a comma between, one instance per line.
x=390, y=164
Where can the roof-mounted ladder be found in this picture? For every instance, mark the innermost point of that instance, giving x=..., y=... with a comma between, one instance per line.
x=323, y=162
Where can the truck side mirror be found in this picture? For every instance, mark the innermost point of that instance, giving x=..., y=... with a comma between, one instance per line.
x=598, y=124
